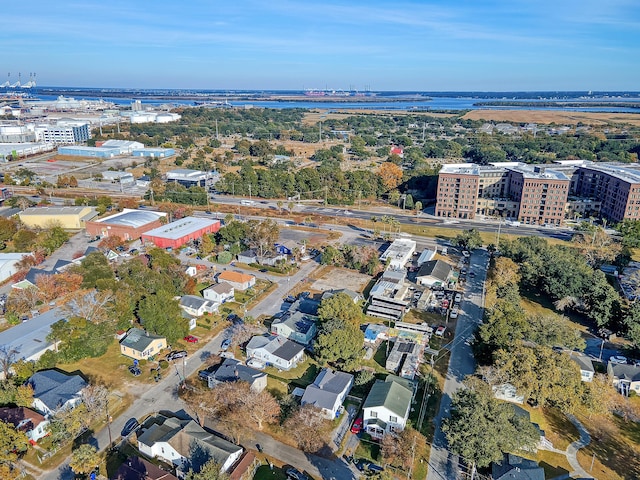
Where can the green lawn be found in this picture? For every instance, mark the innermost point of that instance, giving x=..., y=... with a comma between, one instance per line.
x=264, y=472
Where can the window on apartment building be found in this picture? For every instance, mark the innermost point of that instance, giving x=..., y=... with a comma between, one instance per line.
x=374, y=414
x=393, y=419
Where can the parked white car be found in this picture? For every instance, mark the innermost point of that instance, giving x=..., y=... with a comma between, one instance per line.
x=454, y=313
x=618, y=359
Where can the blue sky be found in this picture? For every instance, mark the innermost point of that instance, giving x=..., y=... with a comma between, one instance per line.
x=430, y=45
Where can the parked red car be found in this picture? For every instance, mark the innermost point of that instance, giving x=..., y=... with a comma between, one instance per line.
x=357, y=426
x=191, y=339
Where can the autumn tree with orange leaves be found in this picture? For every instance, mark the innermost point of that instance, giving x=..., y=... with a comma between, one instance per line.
x=391, y=175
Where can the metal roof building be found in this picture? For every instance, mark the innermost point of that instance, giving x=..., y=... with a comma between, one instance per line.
x=128, y=224
x=67, y=217
x=180, y=232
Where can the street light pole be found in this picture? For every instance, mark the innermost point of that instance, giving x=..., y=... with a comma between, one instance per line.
x=108, y=421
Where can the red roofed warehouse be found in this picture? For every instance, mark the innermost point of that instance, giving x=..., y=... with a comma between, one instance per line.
x=180, y=232
x=128, y=224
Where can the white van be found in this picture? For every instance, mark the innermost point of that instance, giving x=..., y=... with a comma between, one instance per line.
x=247, y=202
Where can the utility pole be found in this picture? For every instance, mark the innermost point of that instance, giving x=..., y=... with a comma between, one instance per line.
x=108, y=421
x=249, y=192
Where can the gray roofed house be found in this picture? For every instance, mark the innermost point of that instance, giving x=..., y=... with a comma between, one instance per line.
x=513, y=467
x=432, y=272
x=296, y=326
x=184, y=442
x=248, y=256
x=586, y=365
x=625, y=378
x=219, y=292
x=277, y=351
x=141, y=344
x=355, y=296
x=197, y=306
x=328, y=391
x=137, y=468
x=232, y=370
x=386, y=408
x=54, y=390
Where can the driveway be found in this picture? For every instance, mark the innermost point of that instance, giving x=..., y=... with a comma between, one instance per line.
x=443, y=464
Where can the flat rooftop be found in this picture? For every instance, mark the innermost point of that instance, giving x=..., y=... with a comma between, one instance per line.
x=180, y=228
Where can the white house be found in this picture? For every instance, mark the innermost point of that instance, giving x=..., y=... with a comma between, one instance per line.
x=174, y=441
x=328, y=391
x=26, y=420
x=387, y=406
x=197, y=306
x=586, y=365
x=219, y=292
x=54, y=390
x=277, y=351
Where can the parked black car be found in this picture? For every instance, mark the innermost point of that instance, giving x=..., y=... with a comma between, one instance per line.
x=294, y=474
x=131, y=425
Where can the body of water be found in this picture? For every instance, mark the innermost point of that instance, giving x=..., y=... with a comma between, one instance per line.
x=418, y=101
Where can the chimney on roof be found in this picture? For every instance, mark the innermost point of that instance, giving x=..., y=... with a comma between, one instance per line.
x=235, y=372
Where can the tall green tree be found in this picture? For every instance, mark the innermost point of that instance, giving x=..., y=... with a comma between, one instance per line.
x=340, y=306
x=160, y=314
x=339, y=343
x=481, y=428
x=12, y=443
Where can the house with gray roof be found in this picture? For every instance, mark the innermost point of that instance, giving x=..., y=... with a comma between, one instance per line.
x=296, y=326
x=625, y=378
x=275, y=351
x=54, y=390
x=232, y=370
x=513, y=467
x=141, y=345
x=185, y=444
x=355, y=296
x=387, y=406
x=219, y=292
x=328, y=391
x=585, y=364
x=433, y=272
x=197, y=306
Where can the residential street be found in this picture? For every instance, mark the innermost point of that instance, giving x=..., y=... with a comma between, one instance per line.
x=163, y=396
x=442, y=465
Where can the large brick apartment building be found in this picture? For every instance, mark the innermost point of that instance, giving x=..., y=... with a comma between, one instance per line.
x=539, y=194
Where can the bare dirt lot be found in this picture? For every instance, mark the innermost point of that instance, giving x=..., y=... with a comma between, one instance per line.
x=336, y=278
x=546, y=116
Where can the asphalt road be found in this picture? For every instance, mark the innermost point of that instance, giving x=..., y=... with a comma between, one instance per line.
x=442, y=464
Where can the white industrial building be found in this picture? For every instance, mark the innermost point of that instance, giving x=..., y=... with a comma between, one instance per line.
x=399, y=253
x=22, y=150
x=189, y=178
x=125, y=146
x=65, y=132
x=16, y=133
x=118, y=177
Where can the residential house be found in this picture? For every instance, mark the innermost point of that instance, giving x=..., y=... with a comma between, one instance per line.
x=426, y=256
x=219, y=293
x=238, y=280
x=543, y=442
x=136, y=468
x=433, y=272
x=508, y=393
x=232, y=370
x=405, y=358
x=513, y=467
x=586, y=365
x=54, y=390
x=197, y=306
x=191, y=271
x=290, y=247
x=328, y=391
x=626, y=378
x=31, y=279
x=386, y=408
x=248, y=257
x=26, y=420
x=179, y=442
x=141, y=345
x=277, y=351
x=272, y=259
x=355, y=296
x=296, y=326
